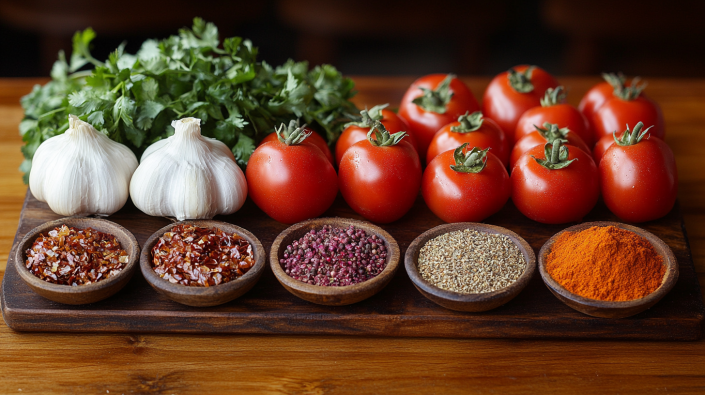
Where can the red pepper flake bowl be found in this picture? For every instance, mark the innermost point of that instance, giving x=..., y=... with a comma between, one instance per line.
x=327, y=294
x=202, y=296
x=87, y=293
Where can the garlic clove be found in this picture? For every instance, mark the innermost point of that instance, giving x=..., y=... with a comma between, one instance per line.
x=82, y=172
x=188, y=176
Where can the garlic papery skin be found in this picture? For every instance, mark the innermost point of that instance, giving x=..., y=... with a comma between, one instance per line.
x=188, y=176
x=82, y=172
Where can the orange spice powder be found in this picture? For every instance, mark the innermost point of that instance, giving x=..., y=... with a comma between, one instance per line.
x=605, y=263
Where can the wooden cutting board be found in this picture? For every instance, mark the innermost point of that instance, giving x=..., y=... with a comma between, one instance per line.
x=398, y=310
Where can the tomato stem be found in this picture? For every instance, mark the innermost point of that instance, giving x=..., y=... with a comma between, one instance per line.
x=468, y=122
x=556, y=155
x=292, y=134
x=436, y=100
x=382, y=136
x=551, y=132
x=553, y=97
x=367, y=116
x=617, y=81
x=473, y=161
x=631, y=91
x=631, y=137
x=521, y=82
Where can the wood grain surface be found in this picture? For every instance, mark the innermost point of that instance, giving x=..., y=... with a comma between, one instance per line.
x=194, y=364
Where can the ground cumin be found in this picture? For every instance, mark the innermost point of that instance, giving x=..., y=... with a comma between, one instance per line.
x=605, y=263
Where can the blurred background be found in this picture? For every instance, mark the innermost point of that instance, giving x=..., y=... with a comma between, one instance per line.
x=395, y=37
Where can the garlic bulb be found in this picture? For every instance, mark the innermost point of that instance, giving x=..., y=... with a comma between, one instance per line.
x=82, y=171
x=188, y=176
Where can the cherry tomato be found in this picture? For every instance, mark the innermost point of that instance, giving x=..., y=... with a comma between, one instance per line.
x=628, y=108
x=472, y=129
x=358, y=132
x=380, y=178
x=314, y=139
x=638, y=177
x=553, y=109
x=291, y=182
x=432, y=102
x=559, y=195
x=513, y=92
x=599, y=149
x=599, y=94
x=467, y=186
x=541, y=136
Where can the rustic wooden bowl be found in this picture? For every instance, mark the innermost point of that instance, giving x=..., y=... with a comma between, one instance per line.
x=333, y=296
x=472, y=302
x=608, y=309
x=82, y=294
x=204, y=296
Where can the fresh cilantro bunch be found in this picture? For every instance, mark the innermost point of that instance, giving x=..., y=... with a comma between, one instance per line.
x=134, y=98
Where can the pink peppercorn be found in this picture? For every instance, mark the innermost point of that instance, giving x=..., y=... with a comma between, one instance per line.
x=325, y=257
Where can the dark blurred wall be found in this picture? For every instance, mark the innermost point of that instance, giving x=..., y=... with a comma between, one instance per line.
x=393, y=37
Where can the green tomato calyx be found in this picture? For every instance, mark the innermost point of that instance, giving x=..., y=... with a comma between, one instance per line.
x=368, y=116
x=618, y=81
x=551, y=132
x=468, y=122
x=474, y=161
x=556, y=156
x=436, y=100
x=382, y=138
x=521, y=82
x=624, y=91
x=553, y=96
x=631, y=137
x=293, y=134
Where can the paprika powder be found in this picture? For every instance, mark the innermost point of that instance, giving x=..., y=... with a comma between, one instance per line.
x=606, y=263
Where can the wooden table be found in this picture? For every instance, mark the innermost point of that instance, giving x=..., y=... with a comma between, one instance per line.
x=168, y=364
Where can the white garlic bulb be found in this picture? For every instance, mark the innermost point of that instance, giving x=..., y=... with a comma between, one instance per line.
x=188, y=176
x=82, y=171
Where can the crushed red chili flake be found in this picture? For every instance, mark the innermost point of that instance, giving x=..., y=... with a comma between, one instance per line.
x=71, y=256
x=196, y=256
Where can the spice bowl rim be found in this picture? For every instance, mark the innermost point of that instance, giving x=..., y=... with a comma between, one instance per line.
x=608, y=308
x=81, y=294
x=197, y=296
x=334, y=295
x=469, y=302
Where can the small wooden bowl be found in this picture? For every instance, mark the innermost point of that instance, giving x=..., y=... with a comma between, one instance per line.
x=204, y=296
x=333, y=296
x=472, y=302
x=81, y=294
x=609, y=309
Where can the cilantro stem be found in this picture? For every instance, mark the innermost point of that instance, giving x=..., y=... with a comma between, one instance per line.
x=46, y=114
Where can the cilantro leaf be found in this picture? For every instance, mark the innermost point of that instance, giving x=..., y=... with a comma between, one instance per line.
x=134, y=98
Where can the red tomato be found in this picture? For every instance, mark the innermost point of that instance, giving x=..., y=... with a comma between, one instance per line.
x=291, y=183
x=599, y=149
x=555, y=196
x=506, y=99
x=595, y=98
x=380, y=182
x=314, y=139
x=443, y=98
x=472, y=129
x=354, y=133
x=617, y=112
x=467, y=193
x=554, y=110
x=639, y=181
x=600, y=93
x=544, y=135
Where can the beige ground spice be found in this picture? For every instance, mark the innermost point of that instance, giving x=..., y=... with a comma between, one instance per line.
x=468, y=261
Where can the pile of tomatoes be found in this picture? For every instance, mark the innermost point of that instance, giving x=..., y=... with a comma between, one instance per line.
x=524, y=142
